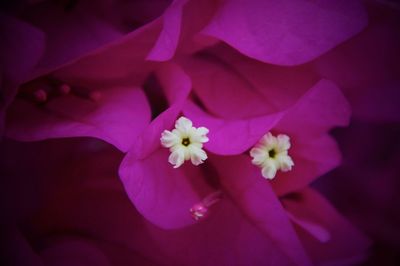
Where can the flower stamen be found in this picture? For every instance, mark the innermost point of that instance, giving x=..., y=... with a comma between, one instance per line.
x=186, y=142
x=271, y=153
x=43, y=90
x=201, y=210
x=40, y=96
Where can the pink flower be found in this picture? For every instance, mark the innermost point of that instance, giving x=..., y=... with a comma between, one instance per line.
x=233, y=69
x=166, y=201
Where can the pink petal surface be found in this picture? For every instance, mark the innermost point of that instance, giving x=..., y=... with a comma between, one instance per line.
x=345, y=246
x=121, y=62
x=73, y=251
x=162, y=194
x=239, y=97
x=312, y=157
x=231, y=85
x=69, y=33
x=224, y=92
x=115, y=65
x=176, y=87
x=221, y=241
x=85, y=205
x=118, y=117
x=182, y=22
x=314, y=152
x=229, y=137
x=167, y=41
x=288, y=32
x=256, y=199
x=21, y=47
x=225, y=238
x=320, y=109
x=196, y=15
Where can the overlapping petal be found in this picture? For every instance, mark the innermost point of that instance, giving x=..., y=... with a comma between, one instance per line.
x=118, y=117
x=21, y=48
x=367, y=67
x=256, y=199
x=162, y=194
x=344, y=244
x=286, y=32
x=67, y=32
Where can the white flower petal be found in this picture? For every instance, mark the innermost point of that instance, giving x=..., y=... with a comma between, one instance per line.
x=283, y=142
x=168, y=139
x=183, y=125
x=185, y=142
x=259, y=156
x=271, y=162
x=269, y=172
x=286, y=163
x=176, y=158
x=197, y=156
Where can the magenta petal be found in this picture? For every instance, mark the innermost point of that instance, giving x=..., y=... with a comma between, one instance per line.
x=226, y=237
x=167, y=42
x=176, y=86
x=254, y=196
x=175, y=82
x=320, y=109
x=21, y=47
x=228, y=137
x=181, y=22
x=313, y=151
x=118, y=117
x=224, y=91
x=196, y=15
x=287, y=32
x=69, y=34
x=345, y=246
x=162, y=194
x=122, y=61
x=277, y=86
x=312, y=158
x=73, y=251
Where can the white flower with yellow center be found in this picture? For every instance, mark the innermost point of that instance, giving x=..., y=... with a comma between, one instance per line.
x=185, y=142
x=271, y=155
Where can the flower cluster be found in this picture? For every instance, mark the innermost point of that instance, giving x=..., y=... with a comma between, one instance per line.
x=199, y=127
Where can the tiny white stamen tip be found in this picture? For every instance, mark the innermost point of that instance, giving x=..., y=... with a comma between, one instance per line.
x=271, y=155
x=185, y=142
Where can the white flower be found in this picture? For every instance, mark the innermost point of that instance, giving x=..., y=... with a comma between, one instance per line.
x=271, y=155
x=185, y=142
